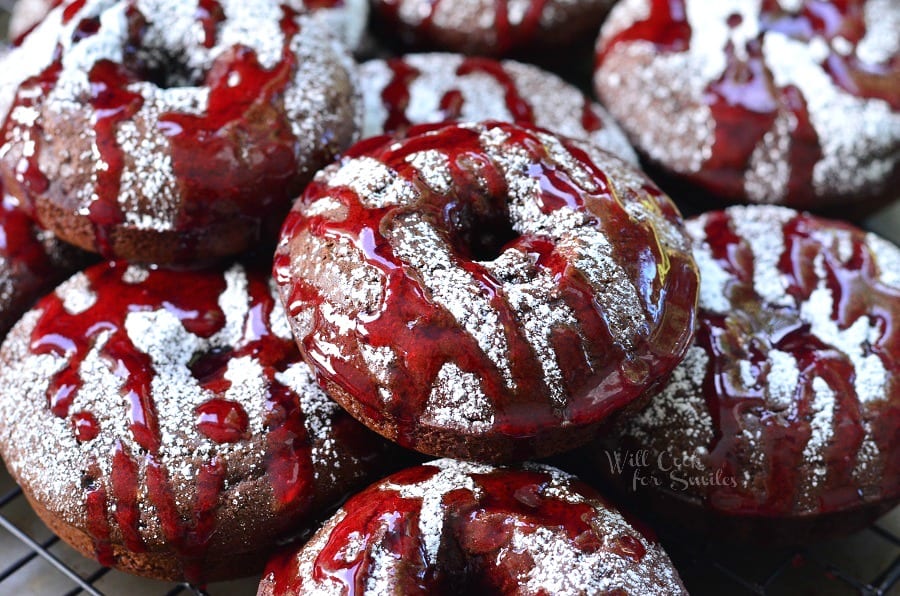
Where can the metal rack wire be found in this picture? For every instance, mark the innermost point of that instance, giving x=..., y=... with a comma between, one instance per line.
x=36, y=561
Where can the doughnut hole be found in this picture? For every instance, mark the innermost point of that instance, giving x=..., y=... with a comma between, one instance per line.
x=479, y=229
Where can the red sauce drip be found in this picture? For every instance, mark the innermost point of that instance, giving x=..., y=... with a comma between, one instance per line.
x=192, y=297
x=114, y=104
x=395, y=95
x=86, y=426
x=222, y=421
x=783, y=438
x=590, y=120
x=27, y=172
x=517, y=105
x=478, y=529
x=98, y=525
x=666, y=27
x=210, y=15
x=86, y=28
x=429, y=336
x=71, y=10
x=452, y=104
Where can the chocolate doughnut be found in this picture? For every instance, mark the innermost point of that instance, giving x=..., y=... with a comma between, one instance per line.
x=490, y=27
x=765, y=101
x=163, y=423
x=455, y=527
x=785, y=414
x=169, y=131
x=486, y=291
x=428, y=88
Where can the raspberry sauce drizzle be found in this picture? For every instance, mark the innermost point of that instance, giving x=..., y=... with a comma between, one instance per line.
x=242, y=136
x=428, y=336
x=193, y=298
x=475, y=547
x=745, y=101
x=783, y=440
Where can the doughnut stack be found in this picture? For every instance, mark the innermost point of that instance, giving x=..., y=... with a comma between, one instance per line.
x=282, y=275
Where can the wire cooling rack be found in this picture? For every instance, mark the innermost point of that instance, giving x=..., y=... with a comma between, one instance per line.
x=34, y=561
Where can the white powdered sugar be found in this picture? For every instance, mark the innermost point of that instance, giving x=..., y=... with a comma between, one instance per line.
x=531, y=292
x=873, y=130
x=682, y=130
x=375, y=184
x=769, y=172
x=680, y=404
x=782, y=380
x=555, y=105
x=871, y=376
x=434, y=169
x=887, y=257
x=77, y=295
x=761, y=230
x=457, y=402
x=417, y=243
x=881, y=42
x=821, y=427
x=452, y=475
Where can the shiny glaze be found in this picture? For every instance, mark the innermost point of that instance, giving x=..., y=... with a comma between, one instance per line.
x=754, y=329
x=601, y=376
x=476, y=534
x=193, y=298
x=745, y=101
x=243, y=136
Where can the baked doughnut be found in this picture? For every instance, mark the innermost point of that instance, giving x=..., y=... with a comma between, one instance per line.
x=428, y=88
x=783, y=422
x=489, y=27
x=166, y=131
x=163, y=422
x=32, y=262
x=455, y=527
x=486, y=291
x=788, y=102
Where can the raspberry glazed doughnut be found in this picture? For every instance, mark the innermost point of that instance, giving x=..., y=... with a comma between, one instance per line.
x=170, y=131
x=767, y=101
x=486, y=291
x=163, y=422
x=786, y=410
x=429, y=88
x=456, y=527
x=32, y=262
x=490, y=27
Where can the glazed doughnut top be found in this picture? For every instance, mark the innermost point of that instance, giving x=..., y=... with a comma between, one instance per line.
x=165, y=101
x=451, y=525
x=792, y=386
x=140, y=402
x=429, y=88
x=797, y=98
x=487, y=277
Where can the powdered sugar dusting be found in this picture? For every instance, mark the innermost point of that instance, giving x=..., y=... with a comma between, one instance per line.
x=821, y=428
x=887, y=256
x=77, y=295
x=458, y=402
x=375, y=184
x=417, y=243
x=882, y=39
x=872, y=131
x=767, y=178
x=782, y=380
x=531, y=292
x=434, y=169
x=762, y=229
